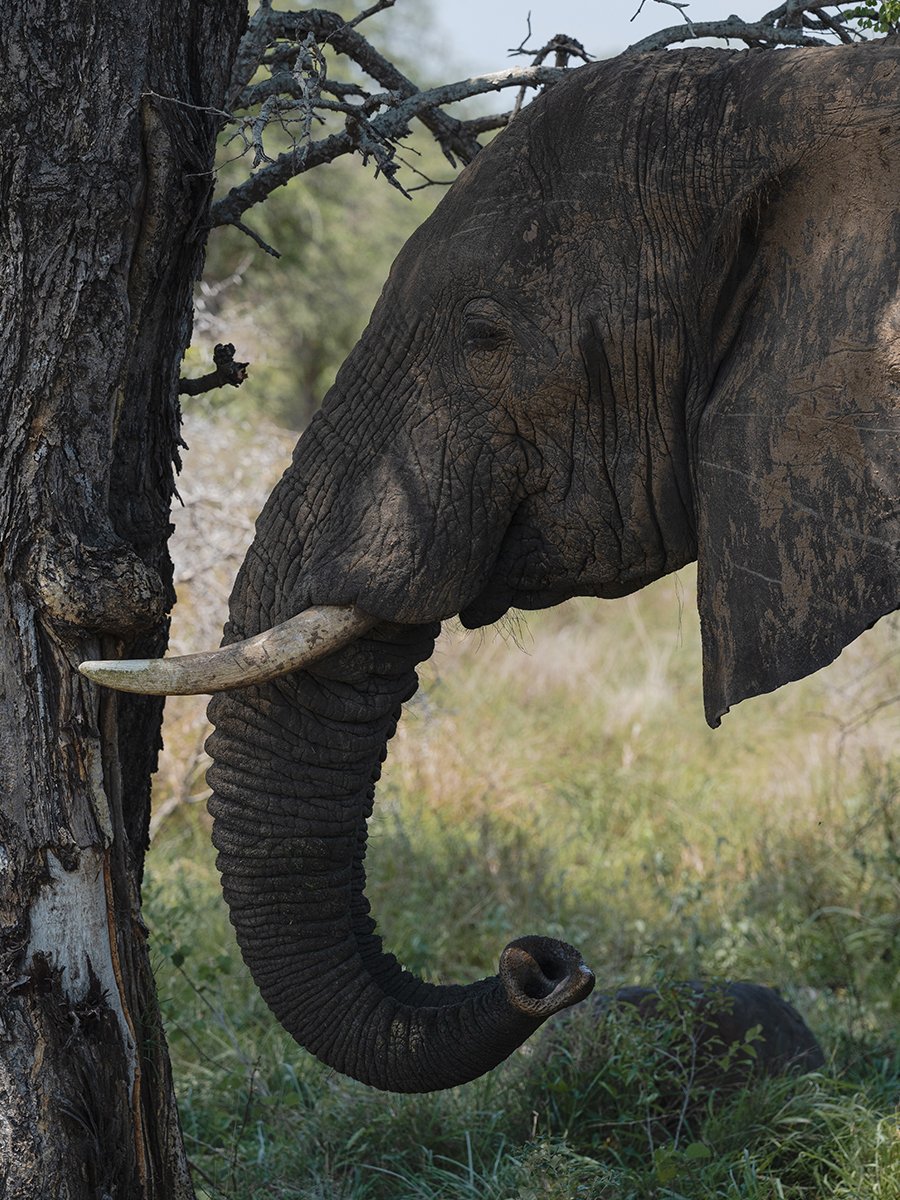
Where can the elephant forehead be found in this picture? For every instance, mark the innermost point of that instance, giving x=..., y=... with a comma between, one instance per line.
x=491, y=251
x=514, y=245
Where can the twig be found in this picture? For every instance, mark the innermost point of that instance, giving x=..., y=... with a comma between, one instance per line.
x=370, y=12
x=681, y=5
x=487, y=123
x=207, y=1179
x=520, y=49
x=427, y=181
x=245, y=1116
x=564, y=47
x=372, y=144
x=204, y=108
x=688, y=1087
x=251, y=233
x=836, y=24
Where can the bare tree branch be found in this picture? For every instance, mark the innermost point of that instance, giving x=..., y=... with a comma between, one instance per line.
x=562, y=45
x=380, y=130
x=488, y=123
x=298, y=91
x=285, y=83
x=758, y=34
x=370, y=12
x=520, y=49
x=249, y=52
x=564, y=48
x=254, y=236
x=836, y=25
x=781, y=26
x=328, y=27
x=681, y=5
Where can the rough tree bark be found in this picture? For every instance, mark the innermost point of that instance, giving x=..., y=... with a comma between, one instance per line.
x=104, y=189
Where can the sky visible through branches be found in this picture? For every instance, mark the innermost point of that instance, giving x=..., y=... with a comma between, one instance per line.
x=299, y=91
x=478, y=32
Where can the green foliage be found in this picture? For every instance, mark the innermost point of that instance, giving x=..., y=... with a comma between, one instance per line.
x=641, y=1084
x=883, y=17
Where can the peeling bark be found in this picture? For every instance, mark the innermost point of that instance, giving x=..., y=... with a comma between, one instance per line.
x=104, y=192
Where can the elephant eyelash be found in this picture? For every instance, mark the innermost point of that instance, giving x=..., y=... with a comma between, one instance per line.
x=482, y=335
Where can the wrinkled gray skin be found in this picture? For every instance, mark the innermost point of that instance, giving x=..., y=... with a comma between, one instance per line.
x=656, y=320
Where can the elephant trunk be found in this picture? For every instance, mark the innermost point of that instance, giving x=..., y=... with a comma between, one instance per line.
x=293, y=784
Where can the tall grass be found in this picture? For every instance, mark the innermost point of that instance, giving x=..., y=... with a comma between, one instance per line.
x=556, y=776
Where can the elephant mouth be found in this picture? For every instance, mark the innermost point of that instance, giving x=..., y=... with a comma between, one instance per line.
x=325, y=627
x=494, y=603
x=293, y=645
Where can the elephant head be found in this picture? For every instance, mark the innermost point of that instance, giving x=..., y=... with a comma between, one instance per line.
x=655, y=320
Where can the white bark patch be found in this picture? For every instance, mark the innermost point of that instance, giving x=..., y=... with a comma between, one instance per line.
x=70, y=928
x=98, y=791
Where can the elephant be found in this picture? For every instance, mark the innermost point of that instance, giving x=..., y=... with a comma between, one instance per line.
x=654, y=321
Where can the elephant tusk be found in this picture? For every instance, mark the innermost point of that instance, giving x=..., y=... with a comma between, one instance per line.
x=287, y=647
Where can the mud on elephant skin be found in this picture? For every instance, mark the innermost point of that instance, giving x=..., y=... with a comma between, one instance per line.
x=655, y=320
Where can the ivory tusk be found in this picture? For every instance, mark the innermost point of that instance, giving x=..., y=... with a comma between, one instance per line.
x=287, y=647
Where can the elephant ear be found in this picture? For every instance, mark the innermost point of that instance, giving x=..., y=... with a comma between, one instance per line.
x=796, y=464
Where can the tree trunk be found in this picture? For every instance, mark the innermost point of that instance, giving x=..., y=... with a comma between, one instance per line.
x=104, y=187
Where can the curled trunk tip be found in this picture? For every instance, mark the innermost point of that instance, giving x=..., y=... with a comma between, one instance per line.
x=542, y=975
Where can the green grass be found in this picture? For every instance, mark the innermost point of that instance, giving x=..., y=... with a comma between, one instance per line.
x=572, y=788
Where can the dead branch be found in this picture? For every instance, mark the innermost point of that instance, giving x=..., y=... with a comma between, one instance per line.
x=328, y=28
x=364, y=135
x=786, y=25
x=299, y=93
x=370, y=12
x=758, y=34
x=250, y=52
x=562, y=46
x=227, y=372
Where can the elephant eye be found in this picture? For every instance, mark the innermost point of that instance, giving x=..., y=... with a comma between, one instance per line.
x=481, y=334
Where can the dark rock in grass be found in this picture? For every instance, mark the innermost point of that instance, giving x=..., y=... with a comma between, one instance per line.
x=732, y=1031
x=660, y=1061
